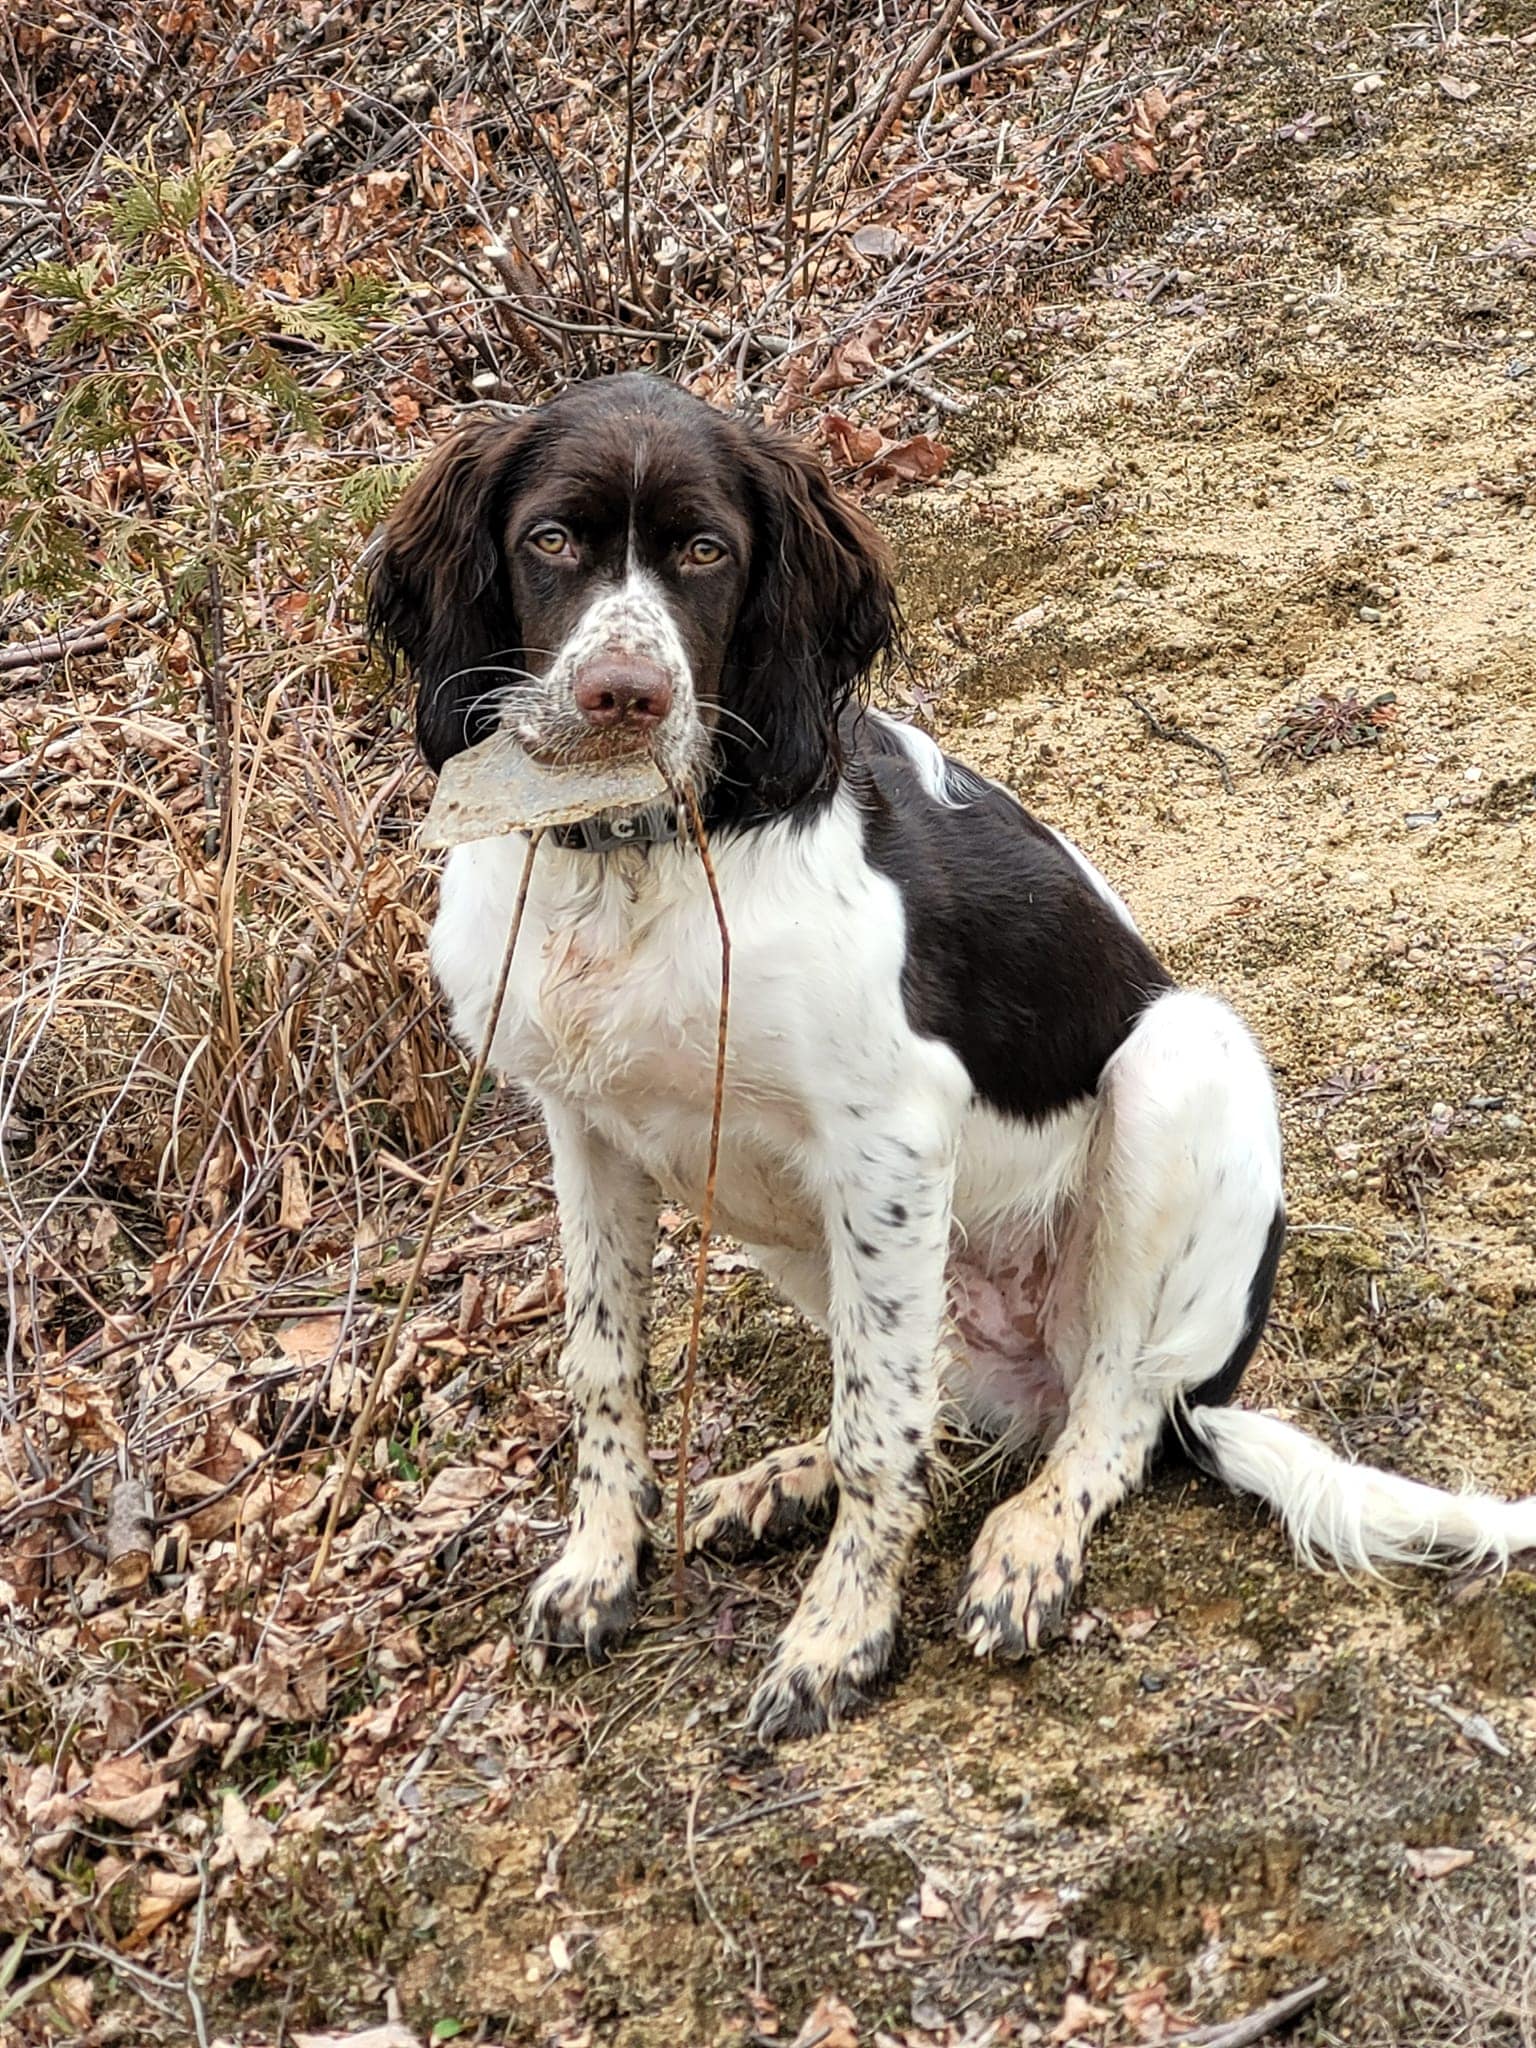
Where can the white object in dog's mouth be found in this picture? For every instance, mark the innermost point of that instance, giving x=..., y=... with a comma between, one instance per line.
x=497, y=787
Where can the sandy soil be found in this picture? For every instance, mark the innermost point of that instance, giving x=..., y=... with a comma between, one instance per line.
x=1305, y=466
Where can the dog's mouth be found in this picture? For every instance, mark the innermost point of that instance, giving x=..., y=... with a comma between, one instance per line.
x=557, y=738
x=574, y=745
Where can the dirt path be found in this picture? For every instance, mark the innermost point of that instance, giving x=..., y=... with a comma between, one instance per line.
x=1306, y=467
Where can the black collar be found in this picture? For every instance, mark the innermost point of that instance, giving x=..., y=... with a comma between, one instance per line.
x=618, y=831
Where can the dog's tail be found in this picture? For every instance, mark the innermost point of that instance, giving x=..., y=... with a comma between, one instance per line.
x=1352, y=1515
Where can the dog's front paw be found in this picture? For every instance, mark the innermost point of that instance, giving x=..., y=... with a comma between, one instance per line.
x=581, y=1603
x=779, y=1497
x=816, y=1679
x=1018, y=1585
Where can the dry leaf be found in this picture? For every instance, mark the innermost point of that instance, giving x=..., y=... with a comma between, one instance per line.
x=296, y=1209
x=244, y=1838
x=851, y=362
x=1459, y=88
x=281, y=1684
x=1027, y=1916
x=125, y=1790
x=162, y=1894
x=1135, y=1623
x=1079, y=2017
x=1150, y=2012
x=885, y=243
x=312, y=1340
x=1433, y=1863
x=391, y=2035
x=544, y=1293
x=243, y=1958
x=828, y=2024
x=851, y=445
x=36, y=326
x=71, y=1997
x=456, y=1495
x=915, y=461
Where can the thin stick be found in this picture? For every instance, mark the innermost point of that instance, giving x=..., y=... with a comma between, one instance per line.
x=707, y=1206
x=93, y=639
x=1082, y=63
x=789, y=137
x=1238, y=2033
x=627, y=224
x=733, y=1946
x=901, y=92
x=1181, y=738
x=439, y=1197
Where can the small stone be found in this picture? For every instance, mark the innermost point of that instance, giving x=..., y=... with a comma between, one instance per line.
x=1371, y=614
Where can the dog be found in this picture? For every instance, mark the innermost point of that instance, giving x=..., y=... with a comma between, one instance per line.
x=972, y=1128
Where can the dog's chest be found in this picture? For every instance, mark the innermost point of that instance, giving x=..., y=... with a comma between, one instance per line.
x=622, y=1014
x=615, y=1009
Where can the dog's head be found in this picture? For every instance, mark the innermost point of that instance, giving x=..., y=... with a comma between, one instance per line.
x=627, y=568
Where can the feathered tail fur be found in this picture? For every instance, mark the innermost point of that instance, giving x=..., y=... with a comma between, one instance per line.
x=1353, y=1515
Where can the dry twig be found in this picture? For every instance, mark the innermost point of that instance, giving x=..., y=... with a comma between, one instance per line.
x=707, y=1206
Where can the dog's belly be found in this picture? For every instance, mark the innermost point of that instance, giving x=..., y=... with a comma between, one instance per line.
x=1005, y=1312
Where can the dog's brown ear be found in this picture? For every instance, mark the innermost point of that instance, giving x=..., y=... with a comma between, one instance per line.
x=438, y=589
x=820, y=609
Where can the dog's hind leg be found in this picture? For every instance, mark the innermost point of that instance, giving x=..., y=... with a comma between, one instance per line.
x=1159, y=1299
x=608, y=1207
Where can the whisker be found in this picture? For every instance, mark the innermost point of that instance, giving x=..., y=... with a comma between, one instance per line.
x=724, y=711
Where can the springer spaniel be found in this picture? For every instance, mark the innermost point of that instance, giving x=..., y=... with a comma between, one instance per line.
x=972, y=1128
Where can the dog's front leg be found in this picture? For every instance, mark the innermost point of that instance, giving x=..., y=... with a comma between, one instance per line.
x=887, y=1212
x=608, y=1207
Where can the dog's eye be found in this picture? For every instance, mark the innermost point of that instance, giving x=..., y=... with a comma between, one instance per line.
x=704, y=552
x=550, y=540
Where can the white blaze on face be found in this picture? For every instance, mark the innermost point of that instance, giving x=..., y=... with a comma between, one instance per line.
x=630, y=618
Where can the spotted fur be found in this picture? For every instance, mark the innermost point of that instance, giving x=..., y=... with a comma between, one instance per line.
x=971, y=1128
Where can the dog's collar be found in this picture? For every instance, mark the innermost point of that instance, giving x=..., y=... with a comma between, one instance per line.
x=617, y=831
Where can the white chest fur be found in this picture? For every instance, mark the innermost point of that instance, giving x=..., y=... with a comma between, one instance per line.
x=613, y=1001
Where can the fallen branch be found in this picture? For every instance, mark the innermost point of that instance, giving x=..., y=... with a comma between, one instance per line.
x=93, y=639
x=1238, y=2033
x=1180, y=737
x=904, y=375
x=1008, y=54
x=902, y=91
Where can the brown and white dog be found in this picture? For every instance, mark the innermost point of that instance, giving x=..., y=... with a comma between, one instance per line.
x=972, y=1129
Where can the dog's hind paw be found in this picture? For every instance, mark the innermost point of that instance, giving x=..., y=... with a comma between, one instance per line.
x=1018, y=1585
x=787, y=1492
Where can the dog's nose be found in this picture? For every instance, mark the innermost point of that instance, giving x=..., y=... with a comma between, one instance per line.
x=623, y=689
